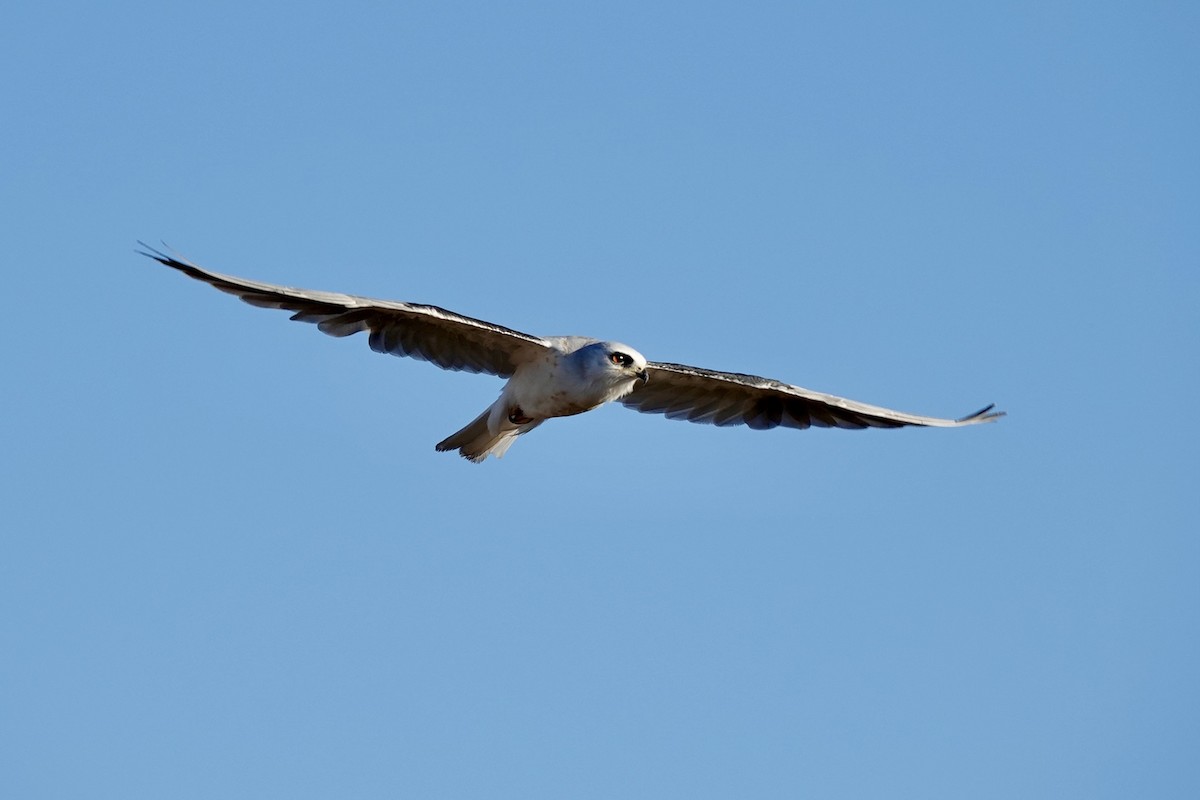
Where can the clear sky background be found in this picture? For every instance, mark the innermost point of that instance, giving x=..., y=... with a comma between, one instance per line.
x=233, y=565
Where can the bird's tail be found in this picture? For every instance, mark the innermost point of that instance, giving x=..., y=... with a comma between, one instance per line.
x=477, y=441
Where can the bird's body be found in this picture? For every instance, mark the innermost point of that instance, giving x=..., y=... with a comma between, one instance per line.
x=561, y=375
x=573, y=375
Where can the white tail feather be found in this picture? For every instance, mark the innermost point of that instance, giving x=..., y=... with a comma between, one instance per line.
x=477, y=440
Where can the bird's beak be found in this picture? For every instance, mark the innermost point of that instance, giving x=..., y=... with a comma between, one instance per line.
x=643, y=376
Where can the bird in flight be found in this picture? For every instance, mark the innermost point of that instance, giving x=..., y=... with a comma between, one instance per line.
x=558, y=376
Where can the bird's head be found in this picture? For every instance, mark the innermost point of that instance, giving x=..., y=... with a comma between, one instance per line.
x=625, y=361
x=616, y=364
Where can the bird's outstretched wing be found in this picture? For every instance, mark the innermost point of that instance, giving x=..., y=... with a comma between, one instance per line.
x=731, y=398
x=429, y=333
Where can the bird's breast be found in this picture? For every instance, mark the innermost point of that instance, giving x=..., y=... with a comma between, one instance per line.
x=549, y=388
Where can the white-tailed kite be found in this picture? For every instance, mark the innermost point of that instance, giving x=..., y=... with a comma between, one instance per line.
x=557, y=376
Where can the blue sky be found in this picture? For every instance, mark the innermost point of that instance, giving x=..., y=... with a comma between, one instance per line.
x=233, y=564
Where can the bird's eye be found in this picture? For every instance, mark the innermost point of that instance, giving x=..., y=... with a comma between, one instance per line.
x=620, y=359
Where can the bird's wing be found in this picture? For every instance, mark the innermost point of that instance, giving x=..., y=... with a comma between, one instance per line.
x=731, y=398
x=429, y=333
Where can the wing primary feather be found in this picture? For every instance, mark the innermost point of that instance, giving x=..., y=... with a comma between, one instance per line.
x=767, y=413
x=797, y=410
x=982, y=415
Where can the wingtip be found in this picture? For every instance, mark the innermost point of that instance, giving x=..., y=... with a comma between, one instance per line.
x=149, y=251
x=173, y=259
x=984, y=414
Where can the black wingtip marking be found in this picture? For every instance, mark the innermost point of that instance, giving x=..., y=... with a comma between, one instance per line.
x=148, y=251
x=982, y=415
x=158, y=255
